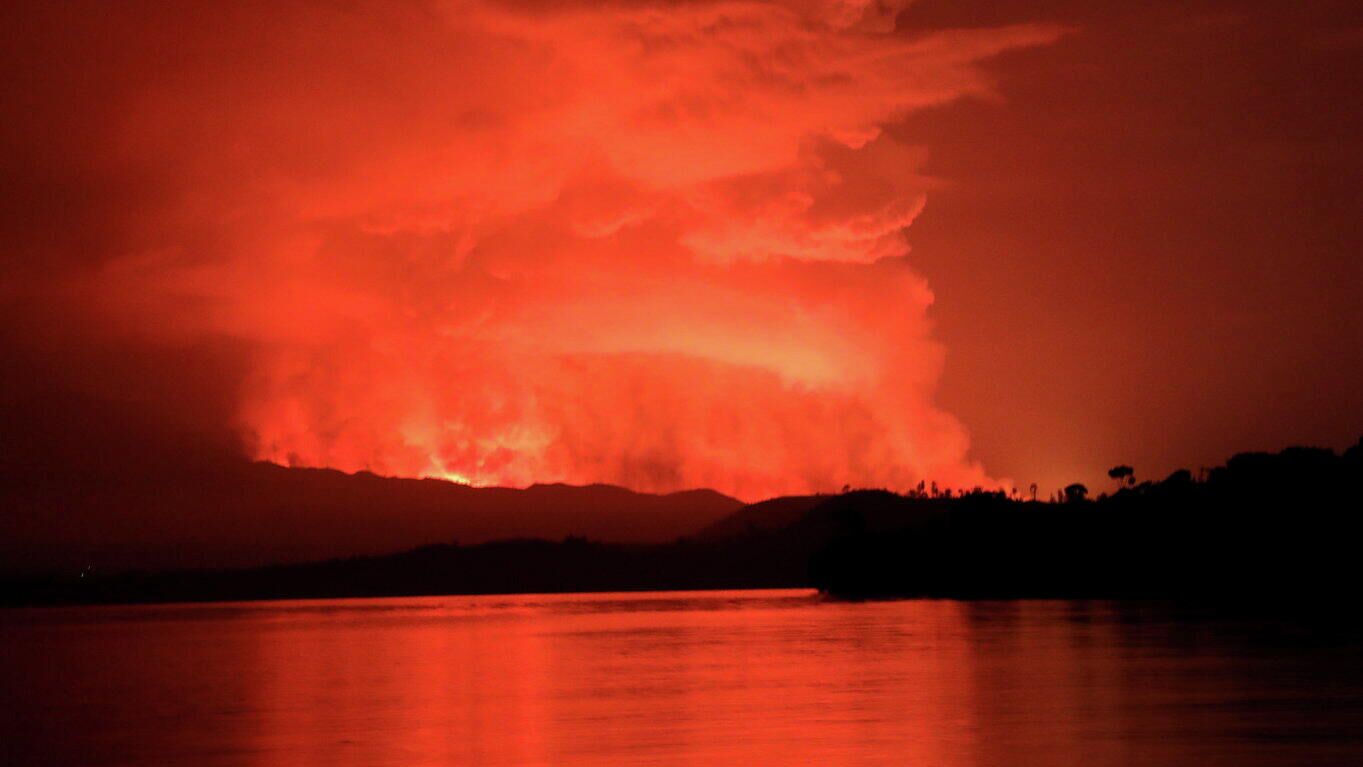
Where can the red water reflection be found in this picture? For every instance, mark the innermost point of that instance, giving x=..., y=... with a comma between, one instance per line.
x=616, y=679
x=716, y=678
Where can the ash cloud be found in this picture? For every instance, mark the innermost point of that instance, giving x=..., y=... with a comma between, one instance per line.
x=656, y=246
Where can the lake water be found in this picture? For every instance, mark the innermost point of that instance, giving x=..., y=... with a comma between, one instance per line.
x=707, y=678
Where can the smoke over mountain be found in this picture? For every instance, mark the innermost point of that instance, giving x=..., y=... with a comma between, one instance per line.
x=500, y=243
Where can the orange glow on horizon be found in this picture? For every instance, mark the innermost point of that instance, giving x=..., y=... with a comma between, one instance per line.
x=599, y=243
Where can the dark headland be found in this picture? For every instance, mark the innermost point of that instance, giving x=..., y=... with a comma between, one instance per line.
x=1269, y=528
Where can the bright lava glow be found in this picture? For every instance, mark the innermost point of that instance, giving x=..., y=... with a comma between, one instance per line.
x=663, y=248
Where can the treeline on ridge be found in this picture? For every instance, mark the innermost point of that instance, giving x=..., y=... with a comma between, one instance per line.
x=1263, y=527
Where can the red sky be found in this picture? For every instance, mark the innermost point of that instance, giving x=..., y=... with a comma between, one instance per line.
x=764, y=248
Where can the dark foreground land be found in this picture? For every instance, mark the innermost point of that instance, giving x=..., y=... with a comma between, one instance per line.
x=1269, y=528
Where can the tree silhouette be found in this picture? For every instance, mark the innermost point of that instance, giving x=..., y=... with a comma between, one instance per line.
x=1076, y=492
x=1125, y=475
x=1179, y=478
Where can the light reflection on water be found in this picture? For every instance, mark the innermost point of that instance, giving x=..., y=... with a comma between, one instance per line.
x=682, y=678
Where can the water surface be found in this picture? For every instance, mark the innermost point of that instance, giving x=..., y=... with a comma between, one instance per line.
x=684, y=678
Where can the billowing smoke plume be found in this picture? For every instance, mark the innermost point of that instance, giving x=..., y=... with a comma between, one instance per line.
x=660, y=246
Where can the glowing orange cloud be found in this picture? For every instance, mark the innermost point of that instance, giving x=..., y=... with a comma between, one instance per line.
x=661, y=246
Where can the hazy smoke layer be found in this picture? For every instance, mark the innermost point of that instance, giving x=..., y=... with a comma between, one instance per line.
x=655, y=246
